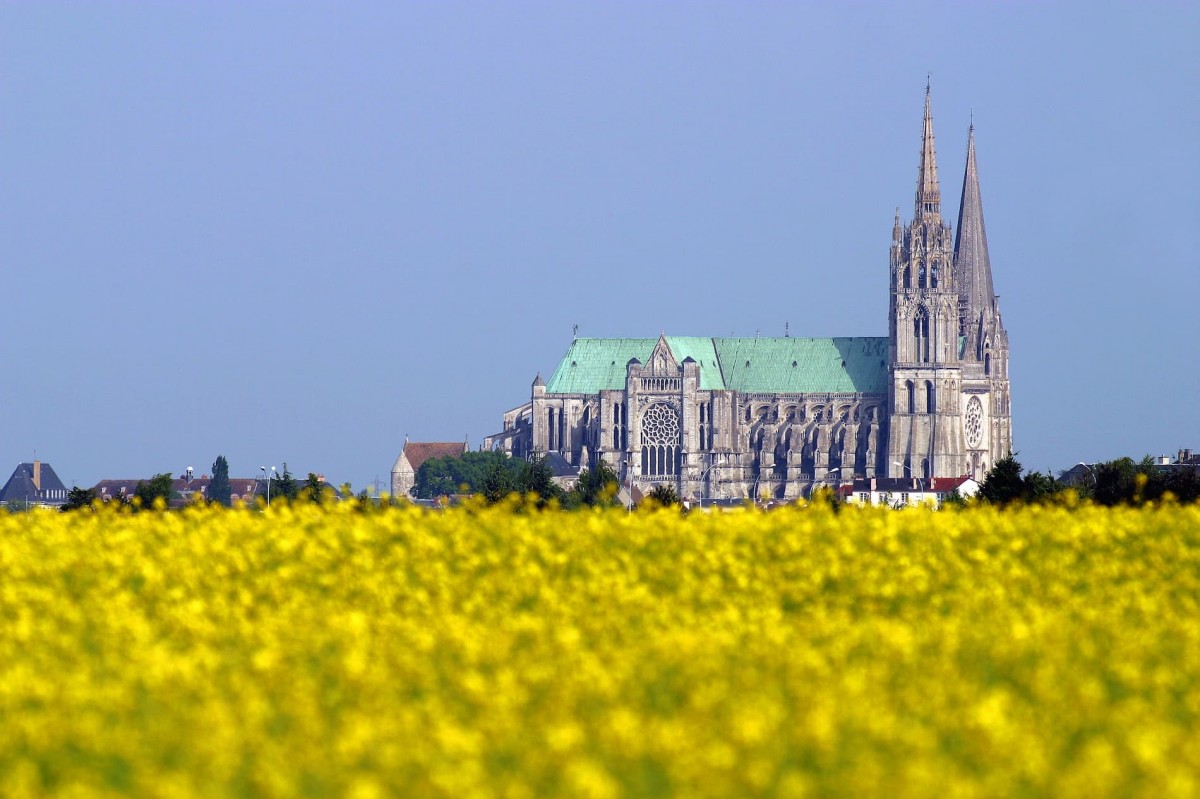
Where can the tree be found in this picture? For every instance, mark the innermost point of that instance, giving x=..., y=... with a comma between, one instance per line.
x=79, y=498
x=663, y=495
x=538, y=478
x=438, y=477
x=1126, y=482
x=1038, y=487
x=1003, y=485
x=219, y=490
x=596, y=486
x=1183, y=482
x=286, y=486
x=314, y=488
x=467, y=473
x=158, y=486
x=498, y=482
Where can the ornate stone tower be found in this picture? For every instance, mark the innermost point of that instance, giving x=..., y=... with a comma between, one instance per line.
x=987, y=414
x=925, y=433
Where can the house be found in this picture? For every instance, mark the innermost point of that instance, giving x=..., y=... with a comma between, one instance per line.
x=415, y=453
x=901, y=491
x=242, y=489
x=34, y=483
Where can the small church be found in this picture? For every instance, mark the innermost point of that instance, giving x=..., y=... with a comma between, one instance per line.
x=724, y=418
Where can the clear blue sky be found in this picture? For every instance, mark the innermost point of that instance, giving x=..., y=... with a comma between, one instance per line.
x=298, y=232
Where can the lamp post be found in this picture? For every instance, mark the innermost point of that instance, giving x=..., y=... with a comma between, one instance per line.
x=629, y=479
x=712, y=461
x=907, y=468
x=836, y=469
x=268, y=477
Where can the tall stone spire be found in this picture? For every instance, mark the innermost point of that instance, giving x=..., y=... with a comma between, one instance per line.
x=972, y=268
x=929, y=194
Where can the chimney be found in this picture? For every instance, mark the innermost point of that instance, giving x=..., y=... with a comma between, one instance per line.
x=37, y=475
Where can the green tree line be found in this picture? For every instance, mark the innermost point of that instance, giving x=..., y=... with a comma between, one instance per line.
x=1123, y=481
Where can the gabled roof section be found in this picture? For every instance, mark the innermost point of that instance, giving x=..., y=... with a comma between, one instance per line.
x=598, y=364
x=662, y=359
x=417, y=452
x=820, y=365
x=795, y=365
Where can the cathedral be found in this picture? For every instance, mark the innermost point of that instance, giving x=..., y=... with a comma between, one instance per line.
x=724, y=418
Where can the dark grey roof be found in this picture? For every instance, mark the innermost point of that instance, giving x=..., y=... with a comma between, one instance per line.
x=560, y=465
x=244, y=488
x=20, y=486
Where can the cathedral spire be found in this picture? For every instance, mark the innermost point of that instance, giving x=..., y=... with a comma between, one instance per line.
x=929, y=195
x=972, y=268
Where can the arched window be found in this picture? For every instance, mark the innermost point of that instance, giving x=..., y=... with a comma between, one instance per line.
x=921, y=334
x=912, y=400
x=930, y=406
x=551, y=429
x=933, y=274
x=706, y=427
x=925, y=468
x=620, y=430
x=987, y=363
x=660, y=440
x=907, y=277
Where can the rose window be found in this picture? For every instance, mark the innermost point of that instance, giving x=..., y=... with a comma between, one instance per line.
x=660, y=440
x=973, y=422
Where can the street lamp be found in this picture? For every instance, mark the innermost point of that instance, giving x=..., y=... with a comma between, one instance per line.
x=712, y=461
x=629, y=479
x=907, y=468
x=268, y=478
x=835, y=470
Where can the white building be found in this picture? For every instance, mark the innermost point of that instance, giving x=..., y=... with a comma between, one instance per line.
x=903, y=491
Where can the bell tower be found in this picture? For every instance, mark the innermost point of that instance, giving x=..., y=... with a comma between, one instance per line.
x=924, y=366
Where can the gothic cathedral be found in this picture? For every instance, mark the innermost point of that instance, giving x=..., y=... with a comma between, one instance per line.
x=738, y=417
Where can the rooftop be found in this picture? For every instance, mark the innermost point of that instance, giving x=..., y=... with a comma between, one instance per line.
x=766, y=365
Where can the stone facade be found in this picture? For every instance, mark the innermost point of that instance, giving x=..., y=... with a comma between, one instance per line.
x=728, y=417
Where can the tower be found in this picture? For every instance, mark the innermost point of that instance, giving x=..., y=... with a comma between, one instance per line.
x=925, y=437
x=987, y=414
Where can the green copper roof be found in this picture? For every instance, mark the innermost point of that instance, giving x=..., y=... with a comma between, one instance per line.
x=597, y=364
x=823, y=365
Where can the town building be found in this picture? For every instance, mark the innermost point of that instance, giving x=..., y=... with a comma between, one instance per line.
x=778, y=417
x=185, y=489
x=896, y=492
x=404, y=472
x=34, y=484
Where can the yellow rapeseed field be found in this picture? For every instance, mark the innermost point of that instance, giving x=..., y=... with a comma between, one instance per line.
x=309, y=652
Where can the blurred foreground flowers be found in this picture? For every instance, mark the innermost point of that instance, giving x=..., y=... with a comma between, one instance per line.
x=322, y=651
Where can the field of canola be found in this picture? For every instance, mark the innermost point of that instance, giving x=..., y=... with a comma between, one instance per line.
x=479, y=653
